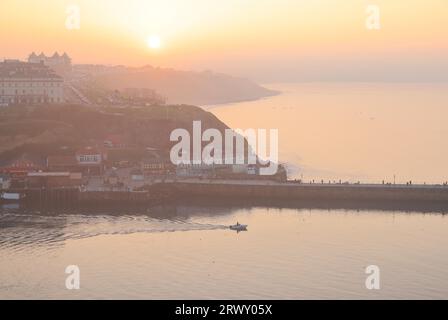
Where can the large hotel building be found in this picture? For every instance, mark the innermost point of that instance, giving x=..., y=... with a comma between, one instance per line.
x=28, y=83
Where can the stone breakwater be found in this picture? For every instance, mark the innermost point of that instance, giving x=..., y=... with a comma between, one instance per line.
x=170, y=191
x=300, y=191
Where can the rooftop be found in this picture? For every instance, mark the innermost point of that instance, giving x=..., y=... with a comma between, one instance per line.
x=13, y=69
x=44, y=57
x=61, y=161
x=88, y=151
x=49, y=174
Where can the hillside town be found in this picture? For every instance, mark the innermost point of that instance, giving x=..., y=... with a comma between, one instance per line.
x=54, y=80
x=113, y=162
x=113, y=167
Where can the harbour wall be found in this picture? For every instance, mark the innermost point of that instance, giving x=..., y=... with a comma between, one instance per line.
x=73, y=196
x=296, y=191
x=170, y=191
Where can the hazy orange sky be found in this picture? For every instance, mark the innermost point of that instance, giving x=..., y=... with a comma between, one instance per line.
x=267, y=40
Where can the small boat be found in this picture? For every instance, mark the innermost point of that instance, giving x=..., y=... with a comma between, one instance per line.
x=238, y=227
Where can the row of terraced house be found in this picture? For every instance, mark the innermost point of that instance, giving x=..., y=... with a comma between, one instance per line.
x=40, y=80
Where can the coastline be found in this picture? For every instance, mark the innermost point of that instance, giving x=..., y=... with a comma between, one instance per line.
x=209, y=107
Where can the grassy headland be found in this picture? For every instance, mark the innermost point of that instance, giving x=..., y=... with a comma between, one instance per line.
x=45, y=130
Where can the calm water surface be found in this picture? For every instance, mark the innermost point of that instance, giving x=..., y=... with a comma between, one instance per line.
x=287, y=253
x=353, y=132
x=368, y=132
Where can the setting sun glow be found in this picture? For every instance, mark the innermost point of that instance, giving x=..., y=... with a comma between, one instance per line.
x=307, y=39
x=154, y=42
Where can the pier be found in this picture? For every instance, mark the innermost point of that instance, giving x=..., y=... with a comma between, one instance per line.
x=67, y=197
x=174, y=190
x=252, y=189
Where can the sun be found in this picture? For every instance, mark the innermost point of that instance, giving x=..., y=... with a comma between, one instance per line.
x=154, y=42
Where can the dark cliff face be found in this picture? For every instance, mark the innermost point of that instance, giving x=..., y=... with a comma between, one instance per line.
x=40, y=131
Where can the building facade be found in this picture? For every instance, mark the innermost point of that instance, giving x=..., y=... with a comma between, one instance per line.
x=91, y=160
x=53, y=179
x=157, y=166
x=23, y=83
x=61, y=64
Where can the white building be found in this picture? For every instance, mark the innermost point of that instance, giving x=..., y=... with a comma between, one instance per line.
x=23, y=83
x=61, y=64
x=91, y=160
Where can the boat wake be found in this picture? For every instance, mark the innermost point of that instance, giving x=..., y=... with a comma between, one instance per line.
x=32, y=229
x=129, y=225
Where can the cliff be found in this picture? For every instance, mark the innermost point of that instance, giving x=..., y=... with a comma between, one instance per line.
x=197, y=88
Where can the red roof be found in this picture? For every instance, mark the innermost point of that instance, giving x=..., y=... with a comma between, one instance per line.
x=116, y=139
x=61, y=161
x=20, y=166
x=23, y=164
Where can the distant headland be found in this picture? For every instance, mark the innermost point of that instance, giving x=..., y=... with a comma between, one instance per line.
x=101, y=85
x=177, y=87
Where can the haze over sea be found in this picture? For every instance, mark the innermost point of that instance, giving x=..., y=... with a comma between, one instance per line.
x=354, y=131
x=366, y=132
